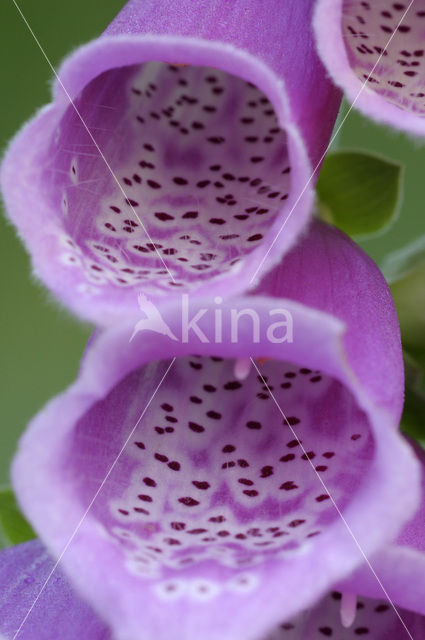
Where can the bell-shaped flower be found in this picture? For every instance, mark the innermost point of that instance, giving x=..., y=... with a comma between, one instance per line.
x=383, y=600
x=401, y=565
x=215, y=495
x=179, y=153
x=375, y=52
x=35, y=597
x=371, y=619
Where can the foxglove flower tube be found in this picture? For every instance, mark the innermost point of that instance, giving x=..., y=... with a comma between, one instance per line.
x=375, y=52
x=401, y=566
x=187, y=160
x=357, y=608
x=217, y=496
x=374, y=618
x=24, y=569
x=58, y=610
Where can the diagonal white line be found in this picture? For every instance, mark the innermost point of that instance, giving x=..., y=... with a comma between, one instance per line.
x=302, y=191
x=102, y=484
x=172, y=362
x=329, y=145
x=108, y=166
x=338, y=510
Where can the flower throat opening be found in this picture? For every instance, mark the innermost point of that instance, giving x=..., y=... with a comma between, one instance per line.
x=213, y=473
x=386, y=50
x=201, y=171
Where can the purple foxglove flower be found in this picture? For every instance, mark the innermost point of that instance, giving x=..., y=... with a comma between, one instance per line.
x=198, y=499
x=375, y=52
x=374, y=619
x=58, y=611
x=400, y=568
x=187, y=160
x=24, y=570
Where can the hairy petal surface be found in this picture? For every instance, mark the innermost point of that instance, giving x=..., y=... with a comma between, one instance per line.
x=194, y=136
x=209, y=494
x=328, y=271
x=375, y=52
x=23, y=571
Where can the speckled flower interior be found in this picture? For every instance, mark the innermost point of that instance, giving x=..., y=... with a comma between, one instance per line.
x=374, y=620
x=212, y=488
x=179, y=154
x=387, y=55
x=214, y=475
x=193, y=169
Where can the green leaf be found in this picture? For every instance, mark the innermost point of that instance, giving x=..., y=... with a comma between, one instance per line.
x=359, y=192
x=14, y=529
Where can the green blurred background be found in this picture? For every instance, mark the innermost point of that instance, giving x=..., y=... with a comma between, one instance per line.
x=42, y=344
